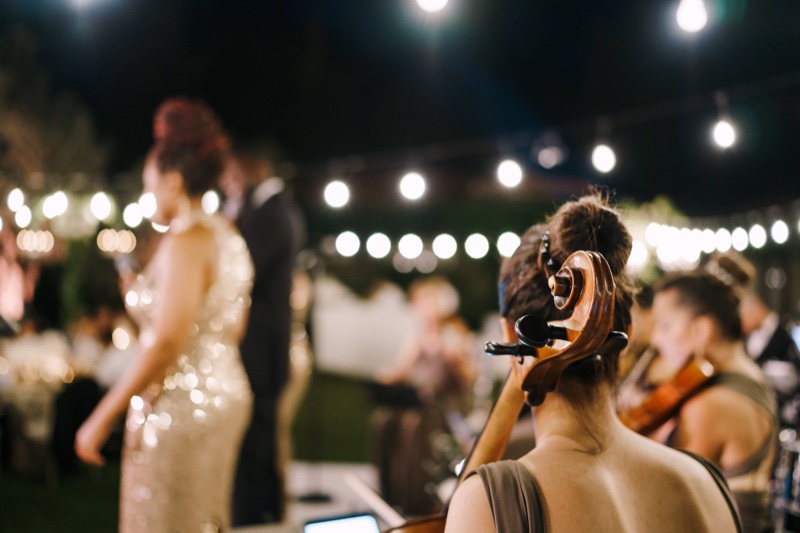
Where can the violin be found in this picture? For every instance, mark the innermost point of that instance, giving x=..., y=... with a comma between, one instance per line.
x=585, y=285
x=665, y=401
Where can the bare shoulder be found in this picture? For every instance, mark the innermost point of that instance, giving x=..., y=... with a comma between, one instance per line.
x=469, y=508
x=712, y=406
x=197, y=242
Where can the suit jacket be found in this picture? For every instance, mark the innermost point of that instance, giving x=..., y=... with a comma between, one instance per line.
x=268, y=231
x=781, y=347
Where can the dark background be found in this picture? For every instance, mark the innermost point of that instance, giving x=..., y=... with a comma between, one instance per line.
x=322, y=81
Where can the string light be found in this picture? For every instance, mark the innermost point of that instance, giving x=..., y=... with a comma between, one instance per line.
x=758, y=236
x=410, y=246
x=691, y=16
x=337, y=194
x=476, y=246
x=724, y=134
x=603, y=158
x=147, y=205
x=724, y=240
x=779, y=232
x=210, y=202
x=739, y=239
x=15, y=200
x=508, y=243
x=639, y=255
x=412, y=186
x=55, y=205
x=444, y=246
x=23, y=216
x=100, y=206
x=347, y=244
x=132, y=215
x=378, y=245
x=509, y=173
x=432, y=6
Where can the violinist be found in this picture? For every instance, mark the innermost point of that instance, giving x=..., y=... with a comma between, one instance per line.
x=733, y=419
x=587, y=472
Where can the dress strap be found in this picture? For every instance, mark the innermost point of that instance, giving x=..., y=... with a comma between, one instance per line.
x=719, y=479
x=761, y=394
x=514, y=497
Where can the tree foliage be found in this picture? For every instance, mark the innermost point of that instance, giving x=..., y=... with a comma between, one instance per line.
x=45, y=136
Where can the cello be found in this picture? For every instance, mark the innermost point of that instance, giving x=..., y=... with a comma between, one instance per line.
x=585, y=285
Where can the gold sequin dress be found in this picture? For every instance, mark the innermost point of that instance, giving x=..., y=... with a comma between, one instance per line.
x=183, y=435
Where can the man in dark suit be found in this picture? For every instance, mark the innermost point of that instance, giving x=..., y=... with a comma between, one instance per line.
x=768, y=342
x=257, y=202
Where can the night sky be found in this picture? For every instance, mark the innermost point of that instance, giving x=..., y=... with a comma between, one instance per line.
x=324, y=80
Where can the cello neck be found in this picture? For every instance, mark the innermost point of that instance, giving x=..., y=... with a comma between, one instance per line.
x=492, y=441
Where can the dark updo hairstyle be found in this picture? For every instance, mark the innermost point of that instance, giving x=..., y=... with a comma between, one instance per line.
x=706, y=295
x=190, y=140
x=588, y=224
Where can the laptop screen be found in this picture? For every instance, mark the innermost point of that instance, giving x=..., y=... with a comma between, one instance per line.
x=362, y=523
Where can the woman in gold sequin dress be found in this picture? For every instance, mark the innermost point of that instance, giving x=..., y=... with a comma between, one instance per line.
x=187, y=397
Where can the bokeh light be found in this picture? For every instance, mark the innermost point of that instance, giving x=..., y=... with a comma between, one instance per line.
x=410, y=246
x=758, y=236
x=509, y=173
x=432, y=6
x=347, y=244
x=691, y=16
x=337, y=194
x=739, y=239
x=132, y=215
x=445, y=246
x=507, y=243
x=100, y=206
x=603, y=158
x=23, y=216
x=378, y=245
x=476, y=246
x=724, y=134
x=412, y=186
x=210, y=202
x=16, y=199
x=779, y=232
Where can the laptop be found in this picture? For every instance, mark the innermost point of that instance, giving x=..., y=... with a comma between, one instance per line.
x=354, y=523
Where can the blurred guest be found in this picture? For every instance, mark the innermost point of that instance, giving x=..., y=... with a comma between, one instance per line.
x=256, y=201
x=186, y=393
x=768, y=342
x=436, y=362
x=16, y=283
x=733, y=419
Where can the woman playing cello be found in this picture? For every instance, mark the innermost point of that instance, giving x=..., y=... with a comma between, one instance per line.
x=587, y=472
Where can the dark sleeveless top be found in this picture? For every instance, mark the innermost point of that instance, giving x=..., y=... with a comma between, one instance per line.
x=761, y=394
x=754, y=506
x=516, y=500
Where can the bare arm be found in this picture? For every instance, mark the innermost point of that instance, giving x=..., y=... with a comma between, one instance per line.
x=185, y=276
x=469, y=509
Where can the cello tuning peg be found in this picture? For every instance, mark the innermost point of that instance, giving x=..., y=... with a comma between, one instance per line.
x=534, y=331
x=508, y=348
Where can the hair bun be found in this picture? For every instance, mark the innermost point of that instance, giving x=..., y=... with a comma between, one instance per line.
x=590, y=224
x=184, y=121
